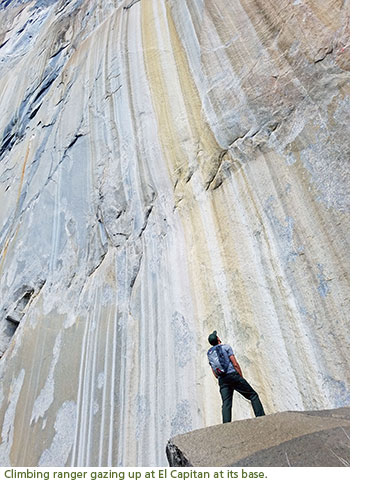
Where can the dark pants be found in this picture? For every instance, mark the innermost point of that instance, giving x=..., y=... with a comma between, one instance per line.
x=234, y=382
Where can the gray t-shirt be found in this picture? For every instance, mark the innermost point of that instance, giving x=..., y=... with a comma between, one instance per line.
x=228, y=351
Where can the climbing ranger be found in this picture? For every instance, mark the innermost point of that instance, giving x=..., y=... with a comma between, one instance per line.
x=226, y=369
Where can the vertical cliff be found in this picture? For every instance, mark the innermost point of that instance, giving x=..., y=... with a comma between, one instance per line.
x=167, y=167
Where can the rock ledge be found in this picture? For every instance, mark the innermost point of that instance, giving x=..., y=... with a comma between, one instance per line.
x=287, y=439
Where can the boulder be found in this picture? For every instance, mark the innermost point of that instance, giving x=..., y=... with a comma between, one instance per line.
x=286, y=439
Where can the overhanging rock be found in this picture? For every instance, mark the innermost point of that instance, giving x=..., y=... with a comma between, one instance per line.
x=287, y=439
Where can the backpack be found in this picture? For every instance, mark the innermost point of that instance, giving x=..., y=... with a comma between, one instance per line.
x=218, y=362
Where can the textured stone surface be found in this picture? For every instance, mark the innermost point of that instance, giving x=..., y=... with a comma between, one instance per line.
x=167, y=167
x=287, y=439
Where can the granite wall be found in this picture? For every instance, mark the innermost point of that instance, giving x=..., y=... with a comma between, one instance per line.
x=167, y=167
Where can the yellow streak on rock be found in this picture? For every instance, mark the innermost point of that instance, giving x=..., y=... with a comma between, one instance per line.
x=6, y=245
x=178, y=109
x=200, y=131
x=167, y=130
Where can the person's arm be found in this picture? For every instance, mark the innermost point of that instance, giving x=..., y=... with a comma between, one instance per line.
x=214, y=373
x=235, y=364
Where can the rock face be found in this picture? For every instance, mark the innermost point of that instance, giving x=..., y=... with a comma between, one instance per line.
x=287, y=439
x=167, y=167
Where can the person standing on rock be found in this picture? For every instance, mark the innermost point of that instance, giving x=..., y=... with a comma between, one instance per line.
x=226, y=369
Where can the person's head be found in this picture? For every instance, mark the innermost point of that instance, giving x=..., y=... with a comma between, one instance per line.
x=213, y=339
